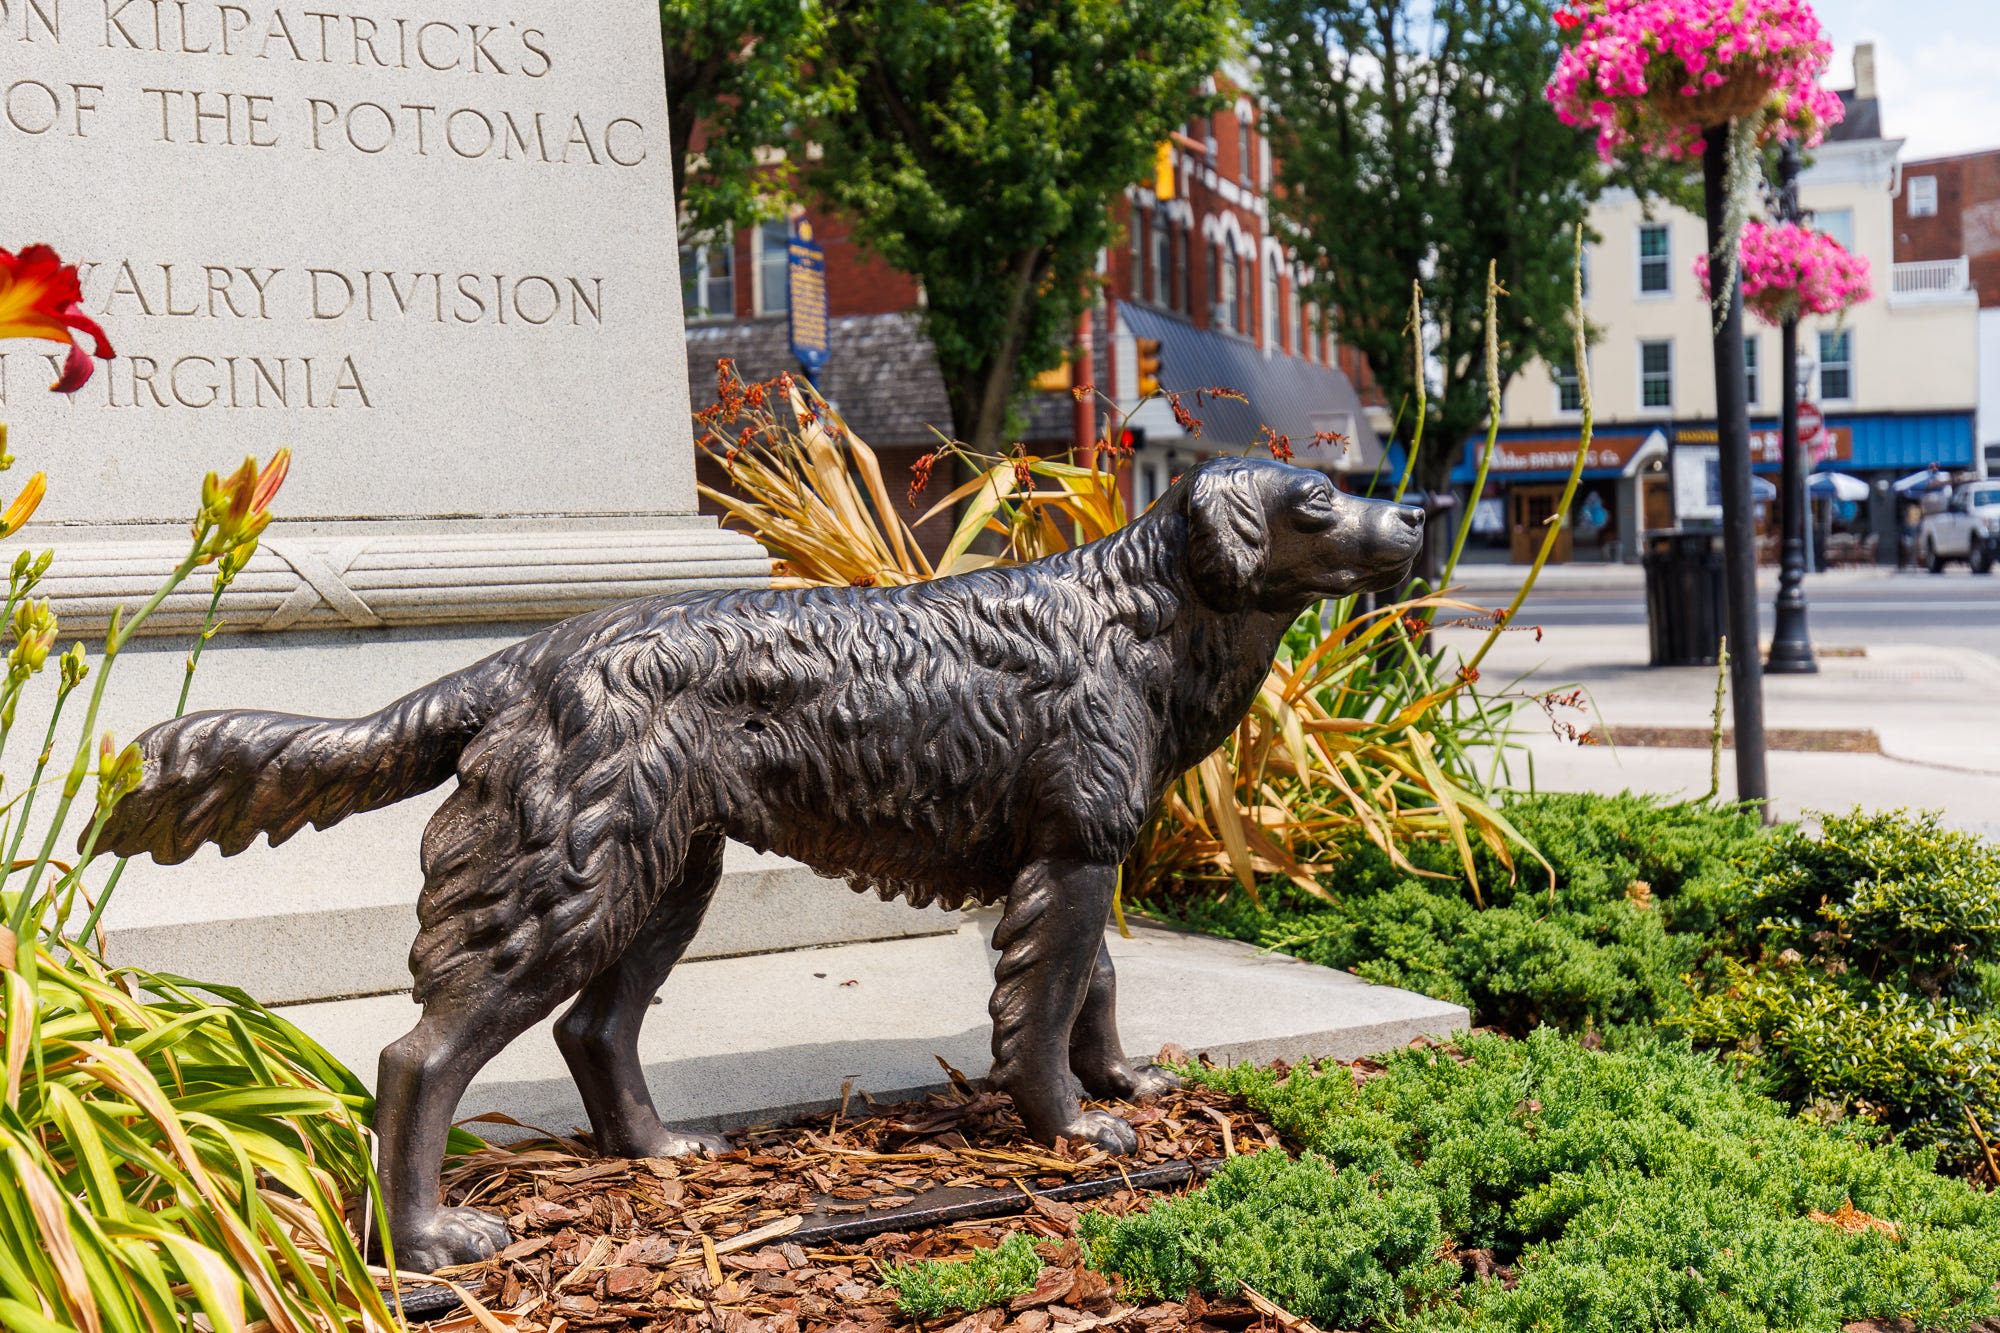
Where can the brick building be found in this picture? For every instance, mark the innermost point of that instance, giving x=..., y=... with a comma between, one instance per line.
x=1200, y=277
x=1948, y=236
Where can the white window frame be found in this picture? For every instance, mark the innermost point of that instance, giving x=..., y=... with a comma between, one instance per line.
x=701, y=259
x=1159, y=261
x=761, y=268
x=1640, y=259
x=1923, y=196
x=1753, y=363
x=1556, y=379
x=1848, y=365
x=1656, y=409
x=1821, y=216
x=1273, y=304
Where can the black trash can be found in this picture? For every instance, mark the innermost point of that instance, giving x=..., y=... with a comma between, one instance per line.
x=1685, y=597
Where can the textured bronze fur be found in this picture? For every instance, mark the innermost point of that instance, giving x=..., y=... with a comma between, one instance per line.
x=997, y=737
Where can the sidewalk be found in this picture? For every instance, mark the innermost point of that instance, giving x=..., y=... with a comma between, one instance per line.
x=1487, y=580
x=1933, y=709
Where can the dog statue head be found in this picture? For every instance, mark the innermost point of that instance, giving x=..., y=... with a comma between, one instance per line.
x=1266, y=536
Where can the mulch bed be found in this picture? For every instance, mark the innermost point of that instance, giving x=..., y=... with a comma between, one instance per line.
x=692, y=1244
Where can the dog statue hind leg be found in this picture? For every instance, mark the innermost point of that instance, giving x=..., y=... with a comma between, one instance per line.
x=599, y=1036
x=1096, y=1055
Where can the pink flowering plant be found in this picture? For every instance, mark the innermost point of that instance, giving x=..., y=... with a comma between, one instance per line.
x=1650, y=75
x=1790, y=271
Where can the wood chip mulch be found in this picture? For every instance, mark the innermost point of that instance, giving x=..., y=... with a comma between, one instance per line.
x=690, y=1244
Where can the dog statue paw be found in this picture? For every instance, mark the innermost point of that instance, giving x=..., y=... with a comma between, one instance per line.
x=1105, y=1130
x=448, y=1237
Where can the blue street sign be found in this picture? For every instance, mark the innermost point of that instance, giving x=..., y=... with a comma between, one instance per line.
x=805, y=274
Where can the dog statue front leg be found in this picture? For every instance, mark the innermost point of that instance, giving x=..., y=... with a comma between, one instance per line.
x=1048, y=939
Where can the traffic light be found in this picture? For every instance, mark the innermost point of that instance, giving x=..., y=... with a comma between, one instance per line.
x=1163, y=170
x=1149, y=366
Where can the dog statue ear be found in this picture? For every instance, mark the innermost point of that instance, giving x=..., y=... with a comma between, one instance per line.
x=1227, y=538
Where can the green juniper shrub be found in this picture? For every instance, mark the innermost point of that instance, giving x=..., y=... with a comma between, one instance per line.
x=1601, y=946
x=1327, y=1245
x=1639, y=1188
x=1860, y=974
x=932, y=1287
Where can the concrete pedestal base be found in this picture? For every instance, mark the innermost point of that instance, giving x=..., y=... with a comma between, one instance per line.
x=742, y=1040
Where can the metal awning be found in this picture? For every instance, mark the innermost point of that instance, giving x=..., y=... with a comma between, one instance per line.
x=1291, y=395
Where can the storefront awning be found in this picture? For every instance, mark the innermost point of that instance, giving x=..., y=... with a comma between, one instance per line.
x=1291, y=395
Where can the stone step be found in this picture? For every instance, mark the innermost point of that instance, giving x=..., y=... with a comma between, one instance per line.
x=332, y=912
x=742, y=1040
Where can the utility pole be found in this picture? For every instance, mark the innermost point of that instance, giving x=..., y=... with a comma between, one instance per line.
x=1791, y=644
x=1739, y=528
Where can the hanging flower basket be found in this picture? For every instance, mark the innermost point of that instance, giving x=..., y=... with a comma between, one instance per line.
x=1790, y=271
x=1651, y=75
x=1742, y=95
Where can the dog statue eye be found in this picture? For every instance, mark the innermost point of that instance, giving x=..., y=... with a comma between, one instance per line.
x=1315, y=513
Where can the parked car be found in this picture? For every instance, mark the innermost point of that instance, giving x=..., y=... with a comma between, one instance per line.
x=1967, y=528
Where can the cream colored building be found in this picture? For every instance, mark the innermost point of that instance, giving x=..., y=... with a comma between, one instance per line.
x=1897, y=379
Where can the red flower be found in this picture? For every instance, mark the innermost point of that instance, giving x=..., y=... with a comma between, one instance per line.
x=40, y=298
x=920, y=473
x=1568, y=19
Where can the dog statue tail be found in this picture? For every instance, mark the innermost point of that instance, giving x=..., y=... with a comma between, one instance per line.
x=224, y=777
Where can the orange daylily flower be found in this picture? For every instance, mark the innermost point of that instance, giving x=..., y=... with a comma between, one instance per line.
x=40, y=298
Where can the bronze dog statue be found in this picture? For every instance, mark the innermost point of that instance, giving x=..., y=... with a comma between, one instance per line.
x=996, y=737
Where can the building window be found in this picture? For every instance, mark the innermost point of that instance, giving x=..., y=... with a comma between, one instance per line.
x=1923, y=196
x=1244, y=148
x=1836, y=366
x=1837, y=223
x=1296, y=312
x=1135, y=223
x=1224, y=290
x=1569, y=389
x=708, y=280
x=774, y=293
x=1750, y=393
x=1656, y=375
x=1656, y=259
x=1159, y=289
x=1183, y=270
x=1272, y=307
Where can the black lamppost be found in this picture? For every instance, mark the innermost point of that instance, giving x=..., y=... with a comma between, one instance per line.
x=1791, y=645
x=1739, y=526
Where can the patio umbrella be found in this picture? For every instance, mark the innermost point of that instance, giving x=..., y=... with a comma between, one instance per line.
x=1837, y=486
x=1918, y=482
x=1761, y=490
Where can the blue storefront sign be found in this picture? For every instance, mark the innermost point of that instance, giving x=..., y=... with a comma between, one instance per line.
x=805, y=276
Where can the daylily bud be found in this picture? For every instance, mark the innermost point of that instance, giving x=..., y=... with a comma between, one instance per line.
x=34, y=634
x=6, y=459
x=24, y=504
x=74, y=667
x=117, y=773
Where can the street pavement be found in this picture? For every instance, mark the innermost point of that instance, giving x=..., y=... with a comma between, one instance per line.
x=1919, y=667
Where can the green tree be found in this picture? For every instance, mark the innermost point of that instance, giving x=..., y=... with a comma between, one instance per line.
x=1414, y=142
x=983, y=149
x=744, y=72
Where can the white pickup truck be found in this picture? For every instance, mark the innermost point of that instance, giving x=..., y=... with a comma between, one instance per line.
x=1967, y=528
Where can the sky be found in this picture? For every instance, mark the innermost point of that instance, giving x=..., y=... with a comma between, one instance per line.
x=1937, y=67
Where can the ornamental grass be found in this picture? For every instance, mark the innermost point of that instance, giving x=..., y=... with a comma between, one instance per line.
x=1360, y=732
x=177, y=1156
